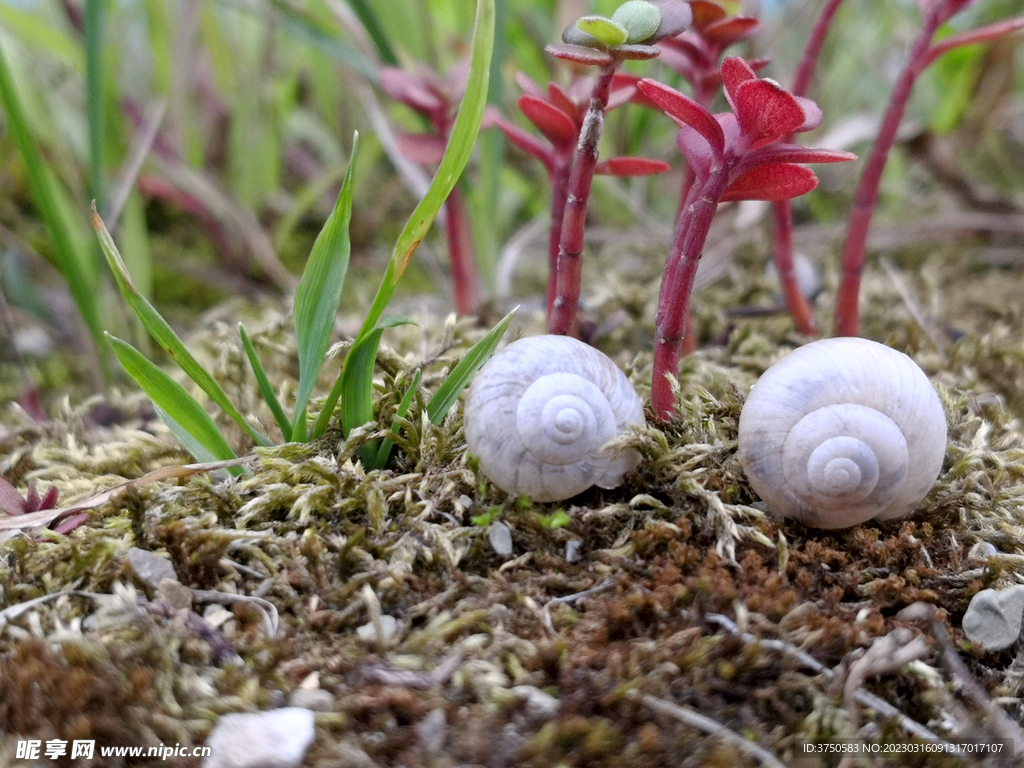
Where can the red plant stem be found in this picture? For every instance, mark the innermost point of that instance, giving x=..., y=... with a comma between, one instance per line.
x=809, y=59
x=465, y=282
x=570, y=246
x=560, y=168
x=691, y=233
x=782, y=240
x=782, y=210
x=867, y=188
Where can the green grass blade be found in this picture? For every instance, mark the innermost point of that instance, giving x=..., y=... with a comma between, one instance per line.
x=456, y=381
x=372, y=25
x=164, y=335
x=94, y=97
x=35, y=32
x=266, y=388
x=319, y=291
x=357, y=375
x=456, y=155
x=403, y=408
x=184, y=416
x=74, y=262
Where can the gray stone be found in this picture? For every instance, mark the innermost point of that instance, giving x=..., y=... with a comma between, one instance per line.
x=993, y=619
x=539, y=704
x=277, y=738
x=150, y=568
x=500, y=537
x=316, y=699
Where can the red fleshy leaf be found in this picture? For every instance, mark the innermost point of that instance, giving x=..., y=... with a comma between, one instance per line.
x=735, y=72
x=422, y=148
x=766, y=111
x=410, y=90
x=775, y=181
x=636, y=52
x=685, y=110
x=30, y=402
x=580, y=54
x=980, y=35
x=695, y=149
x=66, y=525
x=728, y=31
x=705, y=13
x=549, y=120
x=562, y=100
x=528, y=86
x=623, y=90
x=525, y=141
x=812, y=114
x=49, y=500
x=794, y=153
x=631, y=166
x=10, y=500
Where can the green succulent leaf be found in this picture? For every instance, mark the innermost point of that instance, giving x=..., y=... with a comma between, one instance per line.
x=639, y=18
x=607, y=31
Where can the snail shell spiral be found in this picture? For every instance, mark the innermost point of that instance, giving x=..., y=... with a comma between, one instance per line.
x=841, y=431
x=540, y=412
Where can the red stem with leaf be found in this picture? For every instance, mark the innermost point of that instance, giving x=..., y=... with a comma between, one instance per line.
x=570, y=245
x=921, y=55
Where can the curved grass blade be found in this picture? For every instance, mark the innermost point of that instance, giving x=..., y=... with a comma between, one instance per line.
x=446, y=395
x=357, y=383
x=319, y=293
x=95, y=97
x=403, y=408
x=372, y=25
x=266, y=389
x=456, y=155
x=74, y=262
x=181, y=412
x=164, y=335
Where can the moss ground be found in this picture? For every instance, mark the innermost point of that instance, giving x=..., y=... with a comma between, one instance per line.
x=685, y=592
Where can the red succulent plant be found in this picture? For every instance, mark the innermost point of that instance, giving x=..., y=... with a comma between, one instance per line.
x=738, y=155
x=558, y=114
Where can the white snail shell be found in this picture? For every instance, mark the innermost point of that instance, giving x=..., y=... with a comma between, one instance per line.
x=841, y=431
x=540, y=412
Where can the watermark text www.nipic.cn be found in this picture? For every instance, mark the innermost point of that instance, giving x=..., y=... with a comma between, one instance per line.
x=35, y=749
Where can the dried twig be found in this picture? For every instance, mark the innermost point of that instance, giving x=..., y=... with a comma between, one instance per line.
x=879, y=705
x=45, y=517
x=706, y=724
x=999, y=723
x=604, y=586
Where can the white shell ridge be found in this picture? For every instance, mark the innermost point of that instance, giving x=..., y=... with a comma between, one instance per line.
x=841, y=431
x=540, y=412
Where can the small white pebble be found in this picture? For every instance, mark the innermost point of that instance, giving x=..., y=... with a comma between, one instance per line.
x=573, y=551
x=315, y=699
x=994, y=616
x=539, y=705
x=277, y=738
x=500, y=537
x=368, y=632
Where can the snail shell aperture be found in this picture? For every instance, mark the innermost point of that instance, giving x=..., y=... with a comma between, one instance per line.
x=841, y=431
x=540, y=413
